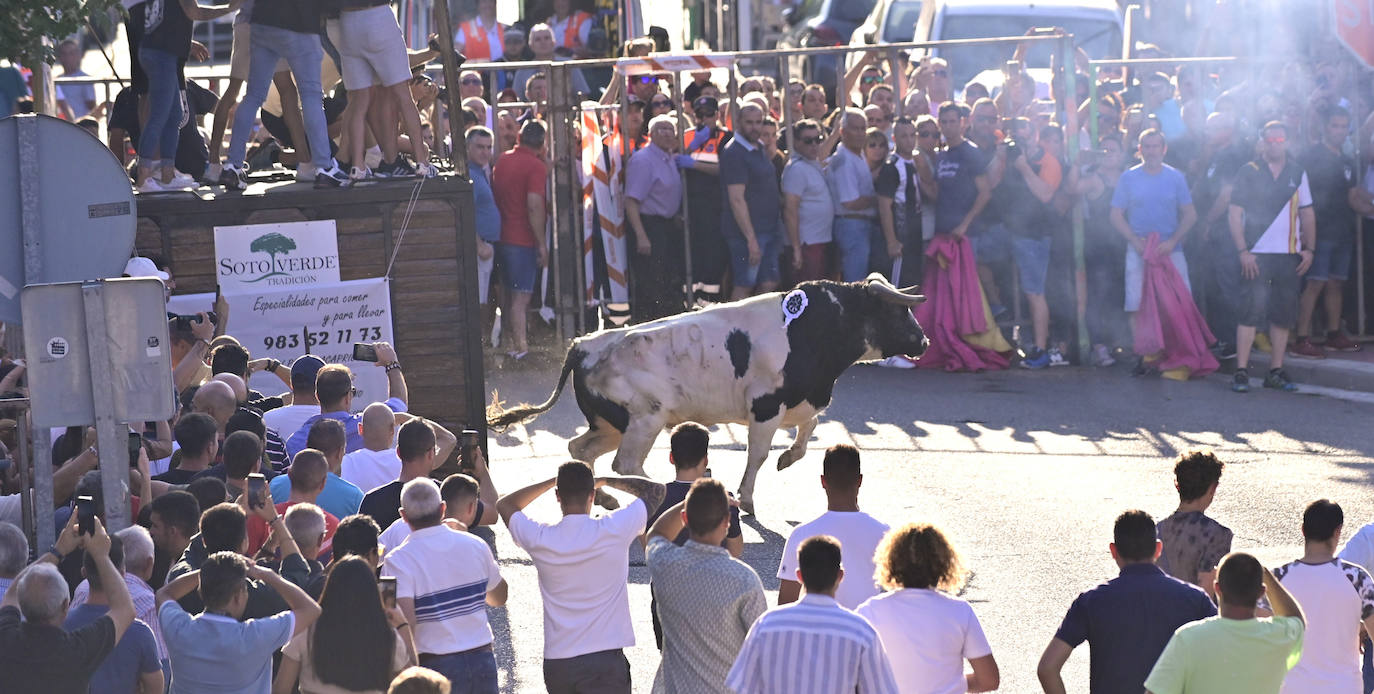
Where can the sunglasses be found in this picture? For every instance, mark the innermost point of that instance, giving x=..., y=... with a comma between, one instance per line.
x=985, y=119
x=877, y=145
x=871, y=80
x=810, y=140
x=927, y=133
x=647, y=79
x=472, y=81
x=661, y=103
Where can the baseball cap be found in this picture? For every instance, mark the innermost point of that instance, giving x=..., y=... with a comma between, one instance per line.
x=138, y=266
x=303, y=370
x=706, y=103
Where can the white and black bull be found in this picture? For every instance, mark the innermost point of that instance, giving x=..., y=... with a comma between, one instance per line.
x=769, y=361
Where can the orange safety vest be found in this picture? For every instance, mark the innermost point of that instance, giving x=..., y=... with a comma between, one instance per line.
x=710, y=150
x=574, y=29
x=476, y=45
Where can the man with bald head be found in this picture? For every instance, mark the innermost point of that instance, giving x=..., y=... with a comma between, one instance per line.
x=272, y=441
x=306, y=477
x=375, y=463
x=752, y=219
x=216, y=398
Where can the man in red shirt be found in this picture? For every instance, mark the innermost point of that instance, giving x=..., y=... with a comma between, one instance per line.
x=307, y=473
x=518, y=184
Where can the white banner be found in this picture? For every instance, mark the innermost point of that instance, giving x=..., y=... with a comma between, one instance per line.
x=324, y=321
x=262, y=257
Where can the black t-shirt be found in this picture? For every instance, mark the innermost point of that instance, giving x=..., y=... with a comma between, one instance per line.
x=383, y=504
x=300, y=16
x=166, y=28
x=40, y=658
x=1220, y=171
x=179, y=476
x=955, y=170
x=677, y=493
x=1021, y=212
x=1263, y=196
x=1330, y=175
x=890, y=178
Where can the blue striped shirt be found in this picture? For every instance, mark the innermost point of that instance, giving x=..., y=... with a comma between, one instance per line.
x=447, y=574
x=812, y=646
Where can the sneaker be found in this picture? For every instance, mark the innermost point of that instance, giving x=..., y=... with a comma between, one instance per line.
x=897, y=362
x=1102, y=356
x=1337, y=341
x=427, y=171
x=1225, y=350
x=151, y=185
x=233, y=177
x=401, y=168
x=359, y=175
x=1037, y=359
x=1305, y=349
x=1240, y=382
x=305, y=171
x=1278, y=380
x=180, y=182
x=1144, y=368
x=1057, y=357
x=332, y=177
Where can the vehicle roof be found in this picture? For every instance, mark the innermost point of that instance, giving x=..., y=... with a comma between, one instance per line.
x=1057, y=6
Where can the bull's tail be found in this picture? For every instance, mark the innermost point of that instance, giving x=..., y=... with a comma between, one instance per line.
x=500, y=418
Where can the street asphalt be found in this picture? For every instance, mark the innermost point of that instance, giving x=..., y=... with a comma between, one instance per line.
x=1025, y=470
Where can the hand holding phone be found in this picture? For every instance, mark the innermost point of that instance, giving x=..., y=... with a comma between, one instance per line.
x=363, y=351
x=468, y=441
x=386, y=585
x=257, y=491
x=85, y=515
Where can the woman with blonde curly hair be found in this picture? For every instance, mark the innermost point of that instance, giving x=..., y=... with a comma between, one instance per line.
x=928, y=632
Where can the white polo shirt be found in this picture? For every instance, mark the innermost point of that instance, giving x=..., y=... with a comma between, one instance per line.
x=288, y=420
x=448, y=574
x=859, y=535
x=583, y=564
x=368, y=469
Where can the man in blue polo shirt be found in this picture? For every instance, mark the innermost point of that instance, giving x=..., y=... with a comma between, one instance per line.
x=1127, y=620
x=485, y=212
x=334, y=390
x=752, y=218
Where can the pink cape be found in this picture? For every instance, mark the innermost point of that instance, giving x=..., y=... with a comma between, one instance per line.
x=955, y=310
x=1168, y=323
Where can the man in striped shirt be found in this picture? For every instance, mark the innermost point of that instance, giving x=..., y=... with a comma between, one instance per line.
x=813, y=645
x=444, y=581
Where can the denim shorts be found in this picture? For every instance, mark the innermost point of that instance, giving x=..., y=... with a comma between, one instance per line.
x=991, y=246
x=518, y=266
x=1032, y=258
x=1331, y=260
x=746, y=275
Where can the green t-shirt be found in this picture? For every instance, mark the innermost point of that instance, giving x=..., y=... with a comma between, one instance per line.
x=1228, y=656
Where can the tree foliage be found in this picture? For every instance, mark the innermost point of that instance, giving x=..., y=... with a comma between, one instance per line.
x=24, y=24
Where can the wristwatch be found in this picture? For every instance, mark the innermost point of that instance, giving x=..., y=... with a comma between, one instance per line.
x=392, y=366
x=273, y=365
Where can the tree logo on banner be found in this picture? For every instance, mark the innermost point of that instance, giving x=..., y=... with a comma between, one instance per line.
x=272, y=244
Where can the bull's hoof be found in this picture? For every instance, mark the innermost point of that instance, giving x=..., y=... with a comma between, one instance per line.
x=606, y=501
x=786, y=459
x=747, y=506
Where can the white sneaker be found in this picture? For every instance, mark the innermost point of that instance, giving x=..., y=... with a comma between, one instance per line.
x=426, y=171
x=897, y=362
x=181, y=182
x=1102, y=356
x=358, y=175
x=152, y=185
x=1057, y=357
x=333, y=177
x=305, y=172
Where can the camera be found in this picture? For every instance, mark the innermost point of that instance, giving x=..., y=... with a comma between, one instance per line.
x=1013, y=149
x=183, y=322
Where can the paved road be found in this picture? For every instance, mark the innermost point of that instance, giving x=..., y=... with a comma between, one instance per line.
x=1025, y=470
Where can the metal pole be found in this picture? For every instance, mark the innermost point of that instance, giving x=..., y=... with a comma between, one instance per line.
x=459, y=156
x=555, y=110
x=898, y=77
x=1080, y=272
x=31, y=222
x=21, y=436
x=686, y=209
x=788, y=117
x=44, y=530
x=110, y=435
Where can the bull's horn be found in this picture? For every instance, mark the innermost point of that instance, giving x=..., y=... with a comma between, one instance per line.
x=891, y=294
x=913, y=290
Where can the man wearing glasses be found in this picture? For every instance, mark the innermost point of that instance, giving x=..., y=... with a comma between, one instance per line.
x=1274, y=228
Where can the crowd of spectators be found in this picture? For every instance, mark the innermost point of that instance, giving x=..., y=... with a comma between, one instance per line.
x=218, y=588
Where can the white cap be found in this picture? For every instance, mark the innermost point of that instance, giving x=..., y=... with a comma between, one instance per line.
x=138, y=266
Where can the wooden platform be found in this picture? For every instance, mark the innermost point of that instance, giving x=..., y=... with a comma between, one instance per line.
x=434, y=280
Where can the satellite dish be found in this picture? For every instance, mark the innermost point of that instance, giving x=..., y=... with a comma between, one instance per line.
x=78, y=217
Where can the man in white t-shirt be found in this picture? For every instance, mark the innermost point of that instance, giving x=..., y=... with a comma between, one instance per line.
x=1336, y=597
x=376, y=463
x=583, y=564
x=444, y=580
x=289, y=419
x=858, y=532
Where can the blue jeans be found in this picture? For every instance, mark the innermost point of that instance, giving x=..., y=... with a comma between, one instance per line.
x=472, y=672
x=303, y=53
x=1368, y=668
x=160, y=134
x=854, y=240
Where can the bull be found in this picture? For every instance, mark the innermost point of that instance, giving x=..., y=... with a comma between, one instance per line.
x=769, y=361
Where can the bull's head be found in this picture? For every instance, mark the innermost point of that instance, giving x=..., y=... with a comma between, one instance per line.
x=894, y=327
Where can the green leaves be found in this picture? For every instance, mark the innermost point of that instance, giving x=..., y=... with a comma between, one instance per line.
x=26, y=23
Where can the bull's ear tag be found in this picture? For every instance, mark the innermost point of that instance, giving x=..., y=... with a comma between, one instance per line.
x=793, y=304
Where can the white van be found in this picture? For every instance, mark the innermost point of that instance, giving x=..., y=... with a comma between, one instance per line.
x=1095, y=24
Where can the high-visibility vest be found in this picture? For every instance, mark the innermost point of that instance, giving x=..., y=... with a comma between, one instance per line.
x=573, y=33
x=476, y=41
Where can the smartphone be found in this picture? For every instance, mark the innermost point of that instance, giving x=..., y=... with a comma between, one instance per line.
x=85, y=515
x=363, y=351
x=1013, y=68
x=386, y=585
x=470, y=439
x=135, y=445
x=257, y=490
